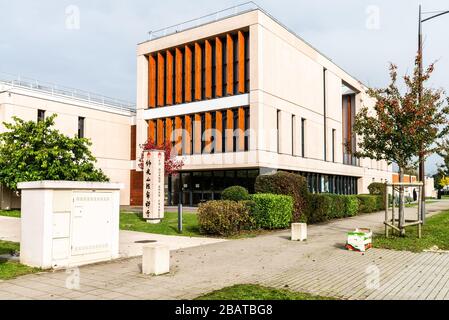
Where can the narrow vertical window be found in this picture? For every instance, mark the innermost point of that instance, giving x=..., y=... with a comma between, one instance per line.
x=303, y=138
x=40, y=115
x=247, y=126
x=324, y=114
x=224, y=127
x=81, y=127
x=278, y=128
x=236, y=128
x=203, y=129
x=334, y=132
x=213, y=136
x=293, y=134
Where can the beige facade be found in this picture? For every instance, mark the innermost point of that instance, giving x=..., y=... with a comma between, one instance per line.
x=106, y=124
x=294, y=91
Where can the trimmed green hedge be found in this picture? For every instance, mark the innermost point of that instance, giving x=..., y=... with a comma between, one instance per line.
x=225, y=217
x=370, y=203
x=289, y=184
x=324, y=207
x=235, y=193
x=272, y=211
x=351, y=206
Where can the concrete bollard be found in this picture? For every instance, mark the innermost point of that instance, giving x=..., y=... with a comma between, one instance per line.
x=299, y=231
x=155, y=259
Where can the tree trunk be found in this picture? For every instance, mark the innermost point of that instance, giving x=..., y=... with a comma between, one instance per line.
x=401, y=203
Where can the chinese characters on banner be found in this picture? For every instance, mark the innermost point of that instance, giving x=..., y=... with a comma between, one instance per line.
x=153, y=186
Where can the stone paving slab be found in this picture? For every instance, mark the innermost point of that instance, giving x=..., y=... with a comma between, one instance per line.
x=130, y=245
x=319, y=266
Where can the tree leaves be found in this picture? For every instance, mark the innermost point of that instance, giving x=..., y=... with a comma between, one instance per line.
x=403, y=125
x=31, y=151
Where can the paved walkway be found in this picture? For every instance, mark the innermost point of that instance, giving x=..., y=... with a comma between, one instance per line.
x=131, y=242
x=319, y=266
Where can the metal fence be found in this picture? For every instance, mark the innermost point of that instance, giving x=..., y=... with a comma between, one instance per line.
x=216, y=16
x=13, y=81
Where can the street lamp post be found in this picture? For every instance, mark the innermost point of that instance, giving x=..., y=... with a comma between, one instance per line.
x=422, y=176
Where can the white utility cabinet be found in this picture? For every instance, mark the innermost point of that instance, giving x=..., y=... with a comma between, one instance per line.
x=67, y=224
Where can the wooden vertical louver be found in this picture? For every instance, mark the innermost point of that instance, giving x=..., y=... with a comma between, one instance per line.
x=241, y=61
x=160, y=132
x=198, y=71
x=208, y=133
x=230, y=65
x=133, y=142
x=218, y=131
x=188, y=134
x=169, y=130
x=178, y=76
x=178, y=135
x=188, y=74
x=241, y=129
x=229, y=131
x=169, y=95
x=218, y=67
x=151, y=130
x=160, y=80
x=197, y=134
x=152, y=81
x=208, y=62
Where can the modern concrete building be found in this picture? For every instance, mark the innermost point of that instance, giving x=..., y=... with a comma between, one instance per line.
x=238, y=94
x=106, y=122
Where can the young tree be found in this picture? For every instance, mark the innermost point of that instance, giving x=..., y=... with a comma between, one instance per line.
x=33, y=151
x=402, y=126
x=172, y=163
x=444, y=182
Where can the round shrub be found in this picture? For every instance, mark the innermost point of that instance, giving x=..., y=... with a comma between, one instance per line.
x=289, y=184
x=224, y=217
x=235, y=193
x=272, y=211
x=376, y=188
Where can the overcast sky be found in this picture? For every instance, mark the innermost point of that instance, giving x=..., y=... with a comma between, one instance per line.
x=40, y=39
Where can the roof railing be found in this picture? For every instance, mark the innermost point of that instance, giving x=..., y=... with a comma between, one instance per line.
x=213, y=17
x=61, y=91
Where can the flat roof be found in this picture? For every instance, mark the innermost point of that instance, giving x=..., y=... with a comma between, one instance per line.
x=225, y=14
x=12, y=82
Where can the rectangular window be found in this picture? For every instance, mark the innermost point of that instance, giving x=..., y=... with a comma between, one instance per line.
x=40, y=115
x=81, y=127
x=303, y=138
x=278, y=128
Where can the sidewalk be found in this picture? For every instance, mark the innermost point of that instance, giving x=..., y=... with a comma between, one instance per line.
x=319, y=266
x=131, y=242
